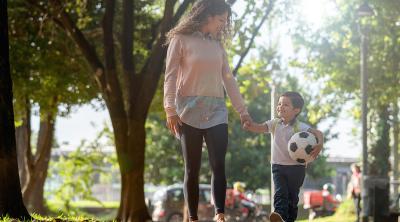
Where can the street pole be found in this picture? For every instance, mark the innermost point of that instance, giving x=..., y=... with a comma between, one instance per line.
x=364, y=11
x=364, y=99
x=364, y=113
x=274, y=101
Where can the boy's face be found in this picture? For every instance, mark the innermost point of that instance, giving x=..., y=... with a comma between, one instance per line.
x=285, y=109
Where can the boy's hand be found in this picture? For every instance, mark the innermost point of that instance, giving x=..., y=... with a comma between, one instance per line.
x=247, y=126
x=318, y=147
x=255, y=127
x=316, y=150
x=245, y=119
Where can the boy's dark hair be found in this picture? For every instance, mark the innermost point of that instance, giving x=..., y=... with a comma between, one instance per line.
x=296, y=99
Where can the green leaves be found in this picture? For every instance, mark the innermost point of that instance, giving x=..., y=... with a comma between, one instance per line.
x=45, y=67
x=164, y=162
x=333, y=53
x=333, y=57
x=74, y=173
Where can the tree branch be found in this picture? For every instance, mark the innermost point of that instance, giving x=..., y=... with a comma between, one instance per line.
x=242, y=19
x=127, y=37
x=128, y=63
x=156, y=27
x=88, y=51
x=182, y=8
x=112, y=92
x=150, y=74
x=46, y=11
x=108, y=40
x=45, y=135
x=255, y=33
x=154, y=34
x=27, y=119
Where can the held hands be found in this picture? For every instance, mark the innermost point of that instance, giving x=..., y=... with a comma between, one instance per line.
x=173, y=124
x=254, y=127
x=246, y=121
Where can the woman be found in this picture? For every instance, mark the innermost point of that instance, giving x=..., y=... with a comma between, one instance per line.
x=197, y=71
x=354, y=188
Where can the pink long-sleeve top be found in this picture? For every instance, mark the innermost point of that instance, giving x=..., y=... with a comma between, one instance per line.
x=197, y=71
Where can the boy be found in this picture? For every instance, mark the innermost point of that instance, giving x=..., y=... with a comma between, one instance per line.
x=288, y=175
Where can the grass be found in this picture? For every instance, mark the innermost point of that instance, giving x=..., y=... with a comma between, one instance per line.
x=64, y=218
x=76, y=213
x=86, y=203
x=104, y=211
x=345, y=213
x=60, y=218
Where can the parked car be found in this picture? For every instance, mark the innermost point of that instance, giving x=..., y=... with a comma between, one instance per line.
x=167, y=204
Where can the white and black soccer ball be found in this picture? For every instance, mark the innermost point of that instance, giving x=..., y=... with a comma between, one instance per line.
x=300, y=146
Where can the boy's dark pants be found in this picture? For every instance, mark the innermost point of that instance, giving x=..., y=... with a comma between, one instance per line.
x=287, y=182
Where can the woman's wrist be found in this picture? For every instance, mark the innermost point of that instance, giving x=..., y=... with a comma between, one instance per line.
x=170, y=112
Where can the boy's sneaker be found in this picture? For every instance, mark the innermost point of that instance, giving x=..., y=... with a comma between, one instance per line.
x=275, y=217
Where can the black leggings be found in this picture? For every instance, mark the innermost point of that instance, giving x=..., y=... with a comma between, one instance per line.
x=217, y=141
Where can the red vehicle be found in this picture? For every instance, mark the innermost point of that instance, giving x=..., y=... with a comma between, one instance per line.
x=320, y=203
x=239, y=208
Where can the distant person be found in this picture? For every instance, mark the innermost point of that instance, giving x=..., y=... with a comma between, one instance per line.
x=197, y=71
x=241, y=200
x=288, y=175
x=354, y=188
x=329, y=203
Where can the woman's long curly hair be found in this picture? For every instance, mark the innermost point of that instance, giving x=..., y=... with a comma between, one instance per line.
x=197, y=17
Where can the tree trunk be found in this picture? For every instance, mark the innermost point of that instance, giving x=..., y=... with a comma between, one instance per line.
x=33, y=168
x=380, y=149
x=33, y=189
x=11, y=203
x=34, y=199
x=23, y=141
x=378, y=187
x=395, y=123
x=395, y=149
x=132, y=205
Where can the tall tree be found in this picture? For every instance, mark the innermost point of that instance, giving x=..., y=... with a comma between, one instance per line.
x=47, y=74
x=11, y=203
x=127, y=76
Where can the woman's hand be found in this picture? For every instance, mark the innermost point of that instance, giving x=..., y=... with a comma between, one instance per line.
x=173, y=124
